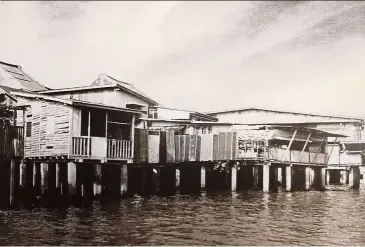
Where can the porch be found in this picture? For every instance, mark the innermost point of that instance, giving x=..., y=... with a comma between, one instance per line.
x=103, y=134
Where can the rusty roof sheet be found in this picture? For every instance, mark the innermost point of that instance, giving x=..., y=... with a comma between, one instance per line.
x=22, y=80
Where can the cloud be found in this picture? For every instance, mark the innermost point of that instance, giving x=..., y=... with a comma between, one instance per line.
x=197, y=55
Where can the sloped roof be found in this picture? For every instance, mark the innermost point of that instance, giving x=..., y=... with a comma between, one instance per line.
x=105, y=81
x=14, y=76
x=282, y=111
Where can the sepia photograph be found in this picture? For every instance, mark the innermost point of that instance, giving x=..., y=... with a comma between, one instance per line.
x=182, y=123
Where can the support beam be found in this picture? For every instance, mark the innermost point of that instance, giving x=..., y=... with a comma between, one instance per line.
x=307, y=177
x=202, y=177
x=288, y=178
x=58, y=178
x=256, y=176
x=304, y=147
x=132, y=134
x=289, y=146
x=177, y=177
x=44, y=178
x=97, y=180
x=280, y=175
x=22, y=174
x=71, y=177
x=328, y=176
x=123, y=179
x=12, y=182
x=88, y=134
x=234, y=178
x=266, y=177
x=323, y=178
x=354, y=177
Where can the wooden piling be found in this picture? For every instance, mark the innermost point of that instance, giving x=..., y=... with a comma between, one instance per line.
x=307, y=177
x=266, y=177
x=123, y=179
x=288, y=178
x=256, y=176
x=234, y=178
x=177, y=178
x=44, y=178
x=71, y=178
x=354, y=177
x=202, y=177
x=97, y=185
x=12, y=182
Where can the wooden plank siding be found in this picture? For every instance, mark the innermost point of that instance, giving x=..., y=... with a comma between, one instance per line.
x=50, y=128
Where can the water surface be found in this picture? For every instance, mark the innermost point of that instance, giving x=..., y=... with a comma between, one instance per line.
x=333, y=217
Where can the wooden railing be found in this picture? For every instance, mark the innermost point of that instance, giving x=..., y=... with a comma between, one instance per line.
x=119, y=149
x=11, y=141
x=80, y=145
x=285, y=156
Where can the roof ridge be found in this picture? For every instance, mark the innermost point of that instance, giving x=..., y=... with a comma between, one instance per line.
x=285, y=111
x=10, y=64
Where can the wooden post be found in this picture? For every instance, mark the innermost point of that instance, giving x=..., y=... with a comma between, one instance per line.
x=354, y=177
x=266, y=177
x=289, y=146
x=44, y=178
x=97, y=180
x=280, y=175
x=328, y=176
x=323, y=178
x=132, y=135
x=202, y=177
x=177, y=176
x=58, y=173
x=124, y=179
x=71, y=177
x=307, y=177
x=256, y=176
x=288, y=180
x=88, y=135
x=12, y=182
x=106, y=125
x=234, y=178
x=22, y=174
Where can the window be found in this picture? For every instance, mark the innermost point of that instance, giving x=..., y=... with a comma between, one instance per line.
x=28, y=132
x=152, y=113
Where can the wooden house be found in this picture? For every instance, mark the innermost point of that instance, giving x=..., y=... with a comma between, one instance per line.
x=94, y=122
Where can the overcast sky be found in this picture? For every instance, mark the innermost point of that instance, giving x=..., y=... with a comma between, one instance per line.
x=304, y=56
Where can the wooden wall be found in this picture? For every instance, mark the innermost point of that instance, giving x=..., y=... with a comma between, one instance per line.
x=49, y=130
x=165, y=147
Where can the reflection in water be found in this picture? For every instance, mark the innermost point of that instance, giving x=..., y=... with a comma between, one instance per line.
x=334, y=217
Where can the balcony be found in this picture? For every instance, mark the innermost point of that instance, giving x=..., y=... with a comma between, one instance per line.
x=101, y=148
x=11, y=141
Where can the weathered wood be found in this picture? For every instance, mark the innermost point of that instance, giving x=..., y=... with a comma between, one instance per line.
x=206, y=153
x=12, y=181
x=124, y=179
x=44, y=178
x=163, y=148
x=71, y=178
x=97, y=185
x=222, y=146
x=153, y=148
x=170, y=147
x=215, y=147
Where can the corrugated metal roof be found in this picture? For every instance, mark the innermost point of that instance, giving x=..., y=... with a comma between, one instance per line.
x=282, y=111
x=23, y=80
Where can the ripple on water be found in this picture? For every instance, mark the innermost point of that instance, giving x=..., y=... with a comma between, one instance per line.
x=334, y=217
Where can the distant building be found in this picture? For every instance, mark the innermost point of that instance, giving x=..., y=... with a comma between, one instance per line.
x=350, y=150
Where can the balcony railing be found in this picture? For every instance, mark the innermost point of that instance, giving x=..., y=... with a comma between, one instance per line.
x=12, y=141
x=80, y=146
x=101, y=148
x=119, y=149
x=286, y=156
